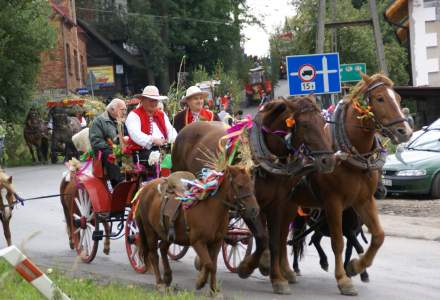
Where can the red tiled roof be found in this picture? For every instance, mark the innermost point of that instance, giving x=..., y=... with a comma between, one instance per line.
x=62, y=12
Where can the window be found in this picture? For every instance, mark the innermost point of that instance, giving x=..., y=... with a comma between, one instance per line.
x=75, y=57
x=69, y=59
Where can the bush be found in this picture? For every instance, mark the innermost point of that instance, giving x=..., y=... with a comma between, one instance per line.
x=16, y=152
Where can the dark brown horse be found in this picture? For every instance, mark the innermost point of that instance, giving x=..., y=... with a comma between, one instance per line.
x=6, y=209
x=36, y=134
x=203, y=226
x=64, y=127
x=372, y=107
x=287, y=139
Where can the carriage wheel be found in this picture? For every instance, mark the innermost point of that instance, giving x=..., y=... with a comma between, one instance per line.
x=132, y=240
x=176, y=252
x=236, y=245
x=84, y=223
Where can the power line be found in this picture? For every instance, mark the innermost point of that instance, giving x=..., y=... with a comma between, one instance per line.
x=229, y=23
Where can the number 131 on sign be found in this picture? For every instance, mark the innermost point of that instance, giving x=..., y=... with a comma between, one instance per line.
x=308, y=86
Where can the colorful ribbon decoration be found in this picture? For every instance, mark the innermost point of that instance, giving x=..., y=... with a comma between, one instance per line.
x=199, y=189
x=233, y=137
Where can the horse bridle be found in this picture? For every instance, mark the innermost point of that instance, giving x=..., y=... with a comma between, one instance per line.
x=383, y=128
x=238, y=205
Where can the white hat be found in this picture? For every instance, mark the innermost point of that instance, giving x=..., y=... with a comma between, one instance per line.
x=193, y=91
x=152, y=92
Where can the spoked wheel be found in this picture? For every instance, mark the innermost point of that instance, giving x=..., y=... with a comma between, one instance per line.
x=237, y=244
x=132, y=240
x=84, y=223
x=176, y=252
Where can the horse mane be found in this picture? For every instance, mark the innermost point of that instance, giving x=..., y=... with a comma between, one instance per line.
x=305, y=103
x=362, y=86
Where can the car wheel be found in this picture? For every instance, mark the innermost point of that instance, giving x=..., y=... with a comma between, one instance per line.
x=435, y=187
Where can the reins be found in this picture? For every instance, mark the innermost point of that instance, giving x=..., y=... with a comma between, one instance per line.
x=21, y=200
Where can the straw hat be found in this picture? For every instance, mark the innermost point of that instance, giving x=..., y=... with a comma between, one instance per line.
x=152, y=92
x=193, y=91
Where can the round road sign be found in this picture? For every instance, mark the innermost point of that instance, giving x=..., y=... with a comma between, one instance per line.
x=306, y=72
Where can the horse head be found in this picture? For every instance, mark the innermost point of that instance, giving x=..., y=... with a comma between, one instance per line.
x=6, y=191
x=239, y=186
x=300, y=122
x=382, y=104
x=33, y=119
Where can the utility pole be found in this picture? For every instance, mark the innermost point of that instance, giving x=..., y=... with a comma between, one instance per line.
x=320, y=36
x=378, y=37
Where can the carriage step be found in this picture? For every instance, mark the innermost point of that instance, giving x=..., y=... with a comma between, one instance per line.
x=98, y=235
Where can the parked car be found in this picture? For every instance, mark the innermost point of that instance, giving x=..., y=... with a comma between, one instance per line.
x=415, y=168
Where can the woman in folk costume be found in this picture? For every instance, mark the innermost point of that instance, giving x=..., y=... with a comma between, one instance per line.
x=148, y=127
x=194, y=111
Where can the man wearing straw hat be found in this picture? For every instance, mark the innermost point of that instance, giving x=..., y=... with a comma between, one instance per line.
x=194, y=111
x=148, y=127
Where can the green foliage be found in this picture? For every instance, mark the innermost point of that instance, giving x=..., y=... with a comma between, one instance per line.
x=200, y=74
x=12, y=286
x=25, y=32
x=355, y=44
x=16, y=152
x=230, y=83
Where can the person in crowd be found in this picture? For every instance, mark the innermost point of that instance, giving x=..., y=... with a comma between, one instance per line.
x=194, y=111
x=408, y=117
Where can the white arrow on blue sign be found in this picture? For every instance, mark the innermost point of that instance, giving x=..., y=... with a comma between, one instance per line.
x=314, y=73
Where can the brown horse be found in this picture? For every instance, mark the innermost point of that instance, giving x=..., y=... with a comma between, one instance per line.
x=6, y=210
x=287, y=139
x=203, y=226
x=36, y=134
x=372, y=107
x=68, y=192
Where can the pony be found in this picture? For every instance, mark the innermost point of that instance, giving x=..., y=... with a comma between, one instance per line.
x=36, y=134
x=287, y=140
x=317, y=220
x=372, y=107
x=6, y=209
x=203, y=225
x=64, y=127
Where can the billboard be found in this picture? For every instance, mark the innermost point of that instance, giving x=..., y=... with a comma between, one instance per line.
x=103, y=76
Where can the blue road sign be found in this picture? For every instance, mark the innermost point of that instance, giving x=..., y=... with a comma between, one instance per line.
x=314, y=73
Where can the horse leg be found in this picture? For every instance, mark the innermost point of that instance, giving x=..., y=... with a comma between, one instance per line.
x=334, y=219
x=168, y=275
x=214, y=250
x=205, y=263
x=369, y=215
x=106, y=249
x=284, y=262
x=316, y=240
x=7, y=231
x=250, y=262
x=66, y=202
x=359, y=249
x=279, y=283
x=299, y=226
x=31, y=150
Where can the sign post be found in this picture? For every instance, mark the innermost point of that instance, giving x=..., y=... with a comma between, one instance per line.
x=313, y=74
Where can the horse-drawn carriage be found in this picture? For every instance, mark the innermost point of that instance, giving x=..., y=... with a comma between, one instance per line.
x=258, y=86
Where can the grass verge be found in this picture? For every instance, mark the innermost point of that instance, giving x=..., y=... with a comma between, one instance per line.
x=12, y=286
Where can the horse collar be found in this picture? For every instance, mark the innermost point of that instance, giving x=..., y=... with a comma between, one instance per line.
x=374, y=159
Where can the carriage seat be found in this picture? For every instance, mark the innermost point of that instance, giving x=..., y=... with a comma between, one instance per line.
x=171, y=187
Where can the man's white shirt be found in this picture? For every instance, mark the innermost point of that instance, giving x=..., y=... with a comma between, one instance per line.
x=133, y=124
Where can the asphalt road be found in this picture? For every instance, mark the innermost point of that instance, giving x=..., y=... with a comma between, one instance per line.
x=405, y=268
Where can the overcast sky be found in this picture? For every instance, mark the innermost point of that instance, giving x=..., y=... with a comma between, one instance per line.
x=272, y=14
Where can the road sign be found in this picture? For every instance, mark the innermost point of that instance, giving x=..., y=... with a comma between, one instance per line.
x=314, y=73
x=350, y=72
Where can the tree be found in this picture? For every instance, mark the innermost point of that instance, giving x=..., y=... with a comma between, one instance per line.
x=205, y=31
x=25, y=33
x=355, y=44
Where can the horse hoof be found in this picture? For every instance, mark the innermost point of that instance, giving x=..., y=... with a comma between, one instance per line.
x=324, y=267
x=348, y=289
x=298, y=273
x=71, y=245
x=350, y=268
x=217, y=295
x=106, y=251
x=365, y=277
x=290, y=276
x=244, y=271
x=264, y=264
x=161, y=288
x=200, y=283
x=281, y=287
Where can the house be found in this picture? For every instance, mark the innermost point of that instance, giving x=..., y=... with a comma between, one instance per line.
x=418, y=27
x=64, y=68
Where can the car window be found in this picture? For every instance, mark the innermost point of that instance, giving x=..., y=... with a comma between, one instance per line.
x=435, y=125
x=429, y=141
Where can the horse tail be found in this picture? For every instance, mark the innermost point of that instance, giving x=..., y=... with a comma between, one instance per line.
x=299, y=227
x=364, y=238
x=143, y=245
